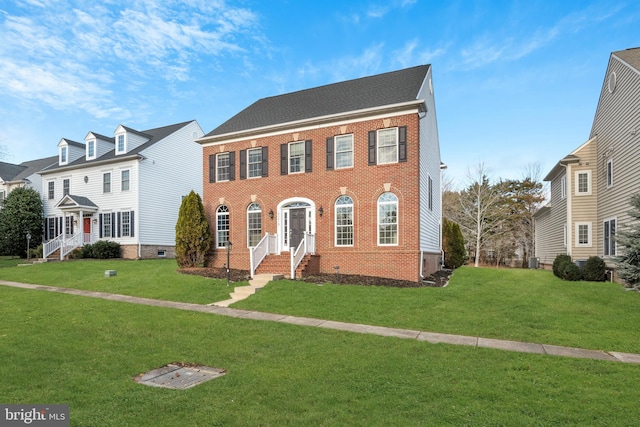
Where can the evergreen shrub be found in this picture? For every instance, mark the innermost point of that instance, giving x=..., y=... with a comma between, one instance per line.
x=594, y=270
x=559, y=264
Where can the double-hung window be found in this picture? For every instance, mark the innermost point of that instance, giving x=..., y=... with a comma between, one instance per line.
x=344, y=151
x=51, y=186
x=125, y=223
x=223, y=167
x=125, y=180
x=387, y=145
x=609, y=233
x=296, y=157
x=583, y=234
x=106, y=182
x=583, y=183
x=387, y=219
x=344, y=221
x=66, y=186
x=107, y=225
x=609, y=173
x=222, y=226
x=91, y=149
x=120, y=141
x=63, y=155
x=563, y=187
x=254, y=162
x=254, y=225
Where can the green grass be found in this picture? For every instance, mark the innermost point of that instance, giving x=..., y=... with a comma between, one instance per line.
x=155, y=279
x=59, y=348
x=10, y=261
x=521, y=305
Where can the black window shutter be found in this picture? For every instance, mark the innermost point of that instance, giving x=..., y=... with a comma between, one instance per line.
x=232, y=166
x=284, y=159
x=119, y=223
x=402, y=144
x=101, y=226
x=372, y=147
x=133, y=222
x=243, y=164
x=330, y=153
x=265, y=161
x=113, y=224
x=212, y=168
x=307, y=156
x=71, y=225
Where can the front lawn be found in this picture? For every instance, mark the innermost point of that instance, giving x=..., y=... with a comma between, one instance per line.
x=156, y=279
x=59, y=348
x=514, y=304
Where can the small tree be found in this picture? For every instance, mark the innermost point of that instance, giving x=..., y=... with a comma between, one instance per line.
x=21, y=213
x=193, y=236
x=628, y=238
x=455, y=254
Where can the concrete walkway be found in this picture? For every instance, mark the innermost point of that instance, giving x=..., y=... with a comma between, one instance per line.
x=432, y=337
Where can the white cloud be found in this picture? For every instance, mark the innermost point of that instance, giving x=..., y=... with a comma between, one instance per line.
x=106, y=47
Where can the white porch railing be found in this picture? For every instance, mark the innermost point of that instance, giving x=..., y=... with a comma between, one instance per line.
x=268, y=245
x=307, y=246
x=66, y=245
x=51, y=246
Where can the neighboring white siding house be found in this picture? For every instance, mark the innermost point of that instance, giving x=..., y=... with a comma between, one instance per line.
x=126, y=189
x=23, y=175
x=600, y=176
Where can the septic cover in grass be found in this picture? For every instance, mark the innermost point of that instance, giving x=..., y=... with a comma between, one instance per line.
x=179, y=375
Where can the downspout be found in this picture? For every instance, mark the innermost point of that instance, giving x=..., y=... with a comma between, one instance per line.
x=569, y=210
x=137, y=220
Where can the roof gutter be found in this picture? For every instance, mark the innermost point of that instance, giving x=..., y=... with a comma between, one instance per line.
x=418, y=103
x=92, y=163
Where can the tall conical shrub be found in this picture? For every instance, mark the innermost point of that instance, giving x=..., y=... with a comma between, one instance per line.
x=455, y=254
x=193, y=235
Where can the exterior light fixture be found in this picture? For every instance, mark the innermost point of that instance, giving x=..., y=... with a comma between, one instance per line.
x=320, y=211
x=270, y=213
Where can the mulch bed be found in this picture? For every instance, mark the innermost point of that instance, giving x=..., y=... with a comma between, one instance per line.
x=438, y=279
x=217, y=273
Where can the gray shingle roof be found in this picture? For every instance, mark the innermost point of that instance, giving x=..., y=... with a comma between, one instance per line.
x=352, y=95
x=8, y=171
x=154, y=136
x=630, y=56
x=34, y=166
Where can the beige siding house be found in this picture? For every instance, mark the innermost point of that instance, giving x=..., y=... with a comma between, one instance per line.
x=591, y=187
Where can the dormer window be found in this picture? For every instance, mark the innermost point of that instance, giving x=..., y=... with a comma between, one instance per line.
x=63, y=155
x=91, y=149
x=120, y=144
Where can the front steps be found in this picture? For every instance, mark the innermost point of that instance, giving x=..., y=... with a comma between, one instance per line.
x=258, y=282
x=281, y=264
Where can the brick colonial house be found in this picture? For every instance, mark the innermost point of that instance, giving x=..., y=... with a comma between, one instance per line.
x=339, y=177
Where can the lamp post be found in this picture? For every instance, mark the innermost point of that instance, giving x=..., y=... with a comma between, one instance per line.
x=28, y=242
x=228, y=244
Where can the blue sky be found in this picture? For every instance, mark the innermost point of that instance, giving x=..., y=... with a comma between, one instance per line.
x=516, y=82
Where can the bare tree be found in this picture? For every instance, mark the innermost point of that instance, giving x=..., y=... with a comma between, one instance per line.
x=479, y=213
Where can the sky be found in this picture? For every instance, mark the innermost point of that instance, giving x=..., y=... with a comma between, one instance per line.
x=516, y=83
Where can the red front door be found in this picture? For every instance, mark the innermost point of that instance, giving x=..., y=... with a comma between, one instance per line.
x=87, y=225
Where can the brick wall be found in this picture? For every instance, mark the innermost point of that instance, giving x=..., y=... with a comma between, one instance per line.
x=363, y=183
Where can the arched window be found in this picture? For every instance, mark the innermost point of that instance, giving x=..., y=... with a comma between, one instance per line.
x=344, y=221
x=222, y=226
x=387, y=219
x=254, y=224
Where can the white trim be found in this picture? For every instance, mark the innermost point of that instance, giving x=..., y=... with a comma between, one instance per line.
x=403, y=108
x=335, y=221
x=124, y=143
x=604, y=248
x=577, y=191
x=335, y=151
x=302, y=162
x=606, y=173
x=283, y=211
x=397, y=223
x=589, y=234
